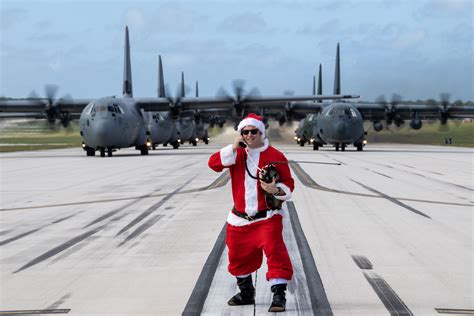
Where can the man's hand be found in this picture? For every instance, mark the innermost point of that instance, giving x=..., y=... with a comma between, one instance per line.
x=269, y=187
x=237, y=140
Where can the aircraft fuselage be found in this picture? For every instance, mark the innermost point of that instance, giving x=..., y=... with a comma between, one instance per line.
x=111, y=123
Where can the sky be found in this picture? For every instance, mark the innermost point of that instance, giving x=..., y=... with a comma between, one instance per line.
x=417, y=49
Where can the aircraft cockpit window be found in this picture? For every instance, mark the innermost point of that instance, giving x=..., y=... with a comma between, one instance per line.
x=354, y=114
x=331, y=112
x=347, y=113
x=102, y=108
x=310, y=117
x=111, y=109
x=117, y=109
x=90, y=108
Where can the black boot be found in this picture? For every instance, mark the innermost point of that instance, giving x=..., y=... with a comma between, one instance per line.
x=279, y=299
x=246, y=295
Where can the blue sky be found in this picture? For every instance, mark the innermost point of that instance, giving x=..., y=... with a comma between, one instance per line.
x=417, y=49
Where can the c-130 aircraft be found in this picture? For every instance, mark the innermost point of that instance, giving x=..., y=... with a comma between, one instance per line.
x=111, y=123
x=341, y=123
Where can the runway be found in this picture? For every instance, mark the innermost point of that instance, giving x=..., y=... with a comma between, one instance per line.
x=387, y=232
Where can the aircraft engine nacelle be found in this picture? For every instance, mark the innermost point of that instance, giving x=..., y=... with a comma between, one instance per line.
x=416, y=123
x=377, y=126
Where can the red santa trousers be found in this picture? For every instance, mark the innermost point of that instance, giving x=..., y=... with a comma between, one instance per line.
x=247, y=244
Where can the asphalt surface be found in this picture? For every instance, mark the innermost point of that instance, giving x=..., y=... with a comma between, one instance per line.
x=387, y=232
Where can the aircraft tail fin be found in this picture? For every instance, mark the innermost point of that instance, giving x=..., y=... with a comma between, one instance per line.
x=197, y=89
x=161, y=80
x=337, y=74
x=127, y=68
x=314, y=85
x=183, y=92
x=320, y=82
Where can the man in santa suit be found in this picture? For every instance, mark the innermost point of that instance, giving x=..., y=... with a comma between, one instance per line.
x=253, y=226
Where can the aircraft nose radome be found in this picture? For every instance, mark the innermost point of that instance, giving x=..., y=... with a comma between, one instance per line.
x=105, y=133
x=341, y=128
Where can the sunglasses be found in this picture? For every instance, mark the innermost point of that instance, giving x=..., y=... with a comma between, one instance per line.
x=247, y=131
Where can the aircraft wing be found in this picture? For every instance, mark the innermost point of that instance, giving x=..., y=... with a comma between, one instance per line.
x=249, y=103
x=379, y=112
x=40, y=105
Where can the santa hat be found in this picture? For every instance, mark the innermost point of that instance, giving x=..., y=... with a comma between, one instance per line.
x=254, y=120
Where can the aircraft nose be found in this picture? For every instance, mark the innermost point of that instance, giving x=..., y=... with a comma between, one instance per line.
x=105, y=133
x=340, y=128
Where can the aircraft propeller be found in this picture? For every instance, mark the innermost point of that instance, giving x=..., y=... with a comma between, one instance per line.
x=239, y=97
x=391, y=115
x=52, y=105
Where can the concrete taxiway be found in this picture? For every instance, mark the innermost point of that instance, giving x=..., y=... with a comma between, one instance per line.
x=387, y=232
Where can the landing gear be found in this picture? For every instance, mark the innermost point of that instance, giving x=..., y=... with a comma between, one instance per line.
x=102, y=152
x=194, y=143
x=109, y=152
x=343, y=147
x=302, y=143
x=206, y=140
x=143, y=149
x=337, y=147
x=89, y=151
x=359, y=146
x=175, y=145
x=315, y=146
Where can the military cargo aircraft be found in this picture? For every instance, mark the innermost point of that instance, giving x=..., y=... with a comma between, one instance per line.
x=341, y=123
x=111, y=123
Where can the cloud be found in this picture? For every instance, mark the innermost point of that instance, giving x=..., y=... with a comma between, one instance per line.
x=173, y=17
x=135, y=19
x=55, y=65
x=247, y=22
x=447, y=9
x=47, y=37
x=12, y=17
x=409, y=39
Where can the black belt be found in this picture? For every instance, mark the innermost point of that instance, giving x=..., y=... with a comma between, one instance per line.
x=260, y=214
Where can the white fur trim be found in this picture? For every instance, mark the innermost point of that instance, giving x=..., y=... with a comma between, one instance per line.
x=251, y=188
x=278, y=281
x=254, y=122
x=287, y=191
x=228, y=156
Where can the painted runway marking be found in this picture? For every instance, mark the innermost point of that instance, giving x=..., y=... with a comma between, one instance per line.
x=35, y=312
x=219, y=182
x=317, y=294
x=198, y=296
x=362, y=262
x=455, y=311
x=387, y=295
x=393, y=200
x=309, y=182
x=53, y=252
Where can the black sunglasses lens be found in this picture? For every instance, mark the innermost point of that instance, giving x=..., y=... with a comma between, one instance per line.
x=247, y=131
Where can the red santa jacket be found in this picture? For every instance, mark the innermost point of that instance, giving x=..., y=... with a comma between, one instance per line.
x=247, y=193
